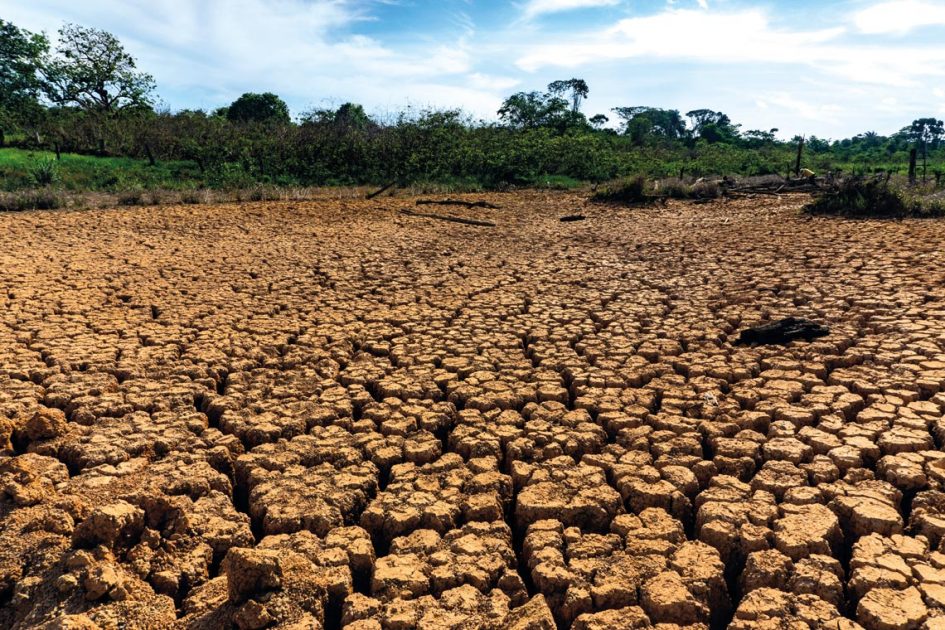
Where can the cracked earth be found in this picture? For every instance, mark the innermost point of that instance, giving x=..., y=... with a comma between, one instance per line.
x=329, y=414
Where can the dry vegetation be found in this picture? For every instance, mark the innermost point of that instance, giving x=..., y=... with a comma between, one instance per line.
x=288, y=414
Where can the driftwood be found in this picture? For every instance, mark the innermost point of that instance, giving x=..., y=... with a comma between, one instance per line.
x=456, y=202
x=381, y=190
x=783, y=331
x=572, y=217
x=776, y=188
x=445, y=217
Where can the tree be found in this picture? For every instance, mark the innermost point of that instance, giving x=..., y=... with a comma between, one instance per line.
x=925, y=132
x=712, y=126
x=576, y=87
x=93, y=72
x=533, y=110
x=252, y=107
x=21, y=54
x=644, y=124
x=755, y=138
x=348, y=117
x=598, y=121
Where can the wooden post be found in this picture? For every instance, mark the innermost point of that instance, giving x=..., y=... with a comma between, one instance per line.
x=912, y=156
x=925, y=162
x=800, y=152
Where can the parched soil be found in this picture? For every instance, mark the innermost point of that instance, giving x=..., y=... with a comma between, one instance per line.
x=332, y=414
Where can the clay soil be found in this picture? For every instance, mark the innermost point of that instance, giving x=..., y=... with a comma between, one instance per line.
x=331, y=414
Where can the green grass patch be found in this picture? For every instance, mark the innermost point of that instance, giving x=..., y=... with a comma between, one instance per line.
x=23, y=169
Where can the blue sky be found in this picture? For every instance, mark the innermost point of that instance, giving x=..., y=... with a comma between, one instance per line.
x=832, y=69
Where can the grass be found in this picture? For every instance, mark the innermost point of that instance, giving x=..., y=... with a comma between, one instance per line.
x=21, y=170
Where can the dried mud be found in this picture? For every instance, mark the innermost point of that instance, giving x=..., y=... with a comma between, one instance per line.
x=333, y=414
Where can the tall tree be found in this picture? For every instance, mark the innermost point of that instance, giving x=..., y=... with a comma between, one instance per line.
x=532, y=110
x=644, y=124
x=93, y=71
x=576, y=89
x=926, y=132
x=252, y=107
x=712, y=126
x=21, y=54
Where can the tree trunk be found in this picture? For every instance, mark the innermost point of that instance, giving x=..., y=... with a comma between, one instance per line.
x=925, y=161
x=800, y=152
x=147, y=152
x=912, y=156
x=58, y=150
x=3, y=139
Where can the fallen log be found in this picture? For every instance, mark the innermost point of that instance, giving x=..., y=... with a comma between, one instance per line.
x=445, y=217
x=380, y=191
x=572, y=217
x=456, y=202
x=781, y=332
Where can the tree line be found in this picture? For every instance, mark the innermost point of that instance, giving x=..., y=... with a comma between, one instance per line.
x=88, y=96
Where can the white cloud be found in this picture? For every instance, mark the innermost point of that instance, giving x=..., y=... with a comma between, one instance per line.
x=739, y=38
x=899, y=17
x=534, y=8
x=207, y=53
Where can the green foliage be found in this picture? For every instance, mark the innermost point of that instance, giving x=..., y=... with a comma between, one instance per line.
x=252, y=107
x=21, y=54
x=93, y=72
x=46, y=172
x=646, y=125
x=549, y=110
x=862, y=197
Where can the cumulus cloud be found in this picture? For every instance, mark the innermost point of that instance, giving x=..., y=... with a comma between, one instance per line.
x=739, y=38
x=212, y=51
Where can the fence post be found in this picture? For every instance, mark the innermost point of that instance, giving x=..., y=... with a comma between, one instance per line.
x=912, y=156
x=800, y=152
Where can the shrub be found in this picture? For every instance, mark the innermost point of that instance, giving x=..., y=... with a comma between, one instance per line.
x=862, y=197
x=32, y=200
x=131, y=198
x=46, y=172
x=191, y=197
x=627, y=190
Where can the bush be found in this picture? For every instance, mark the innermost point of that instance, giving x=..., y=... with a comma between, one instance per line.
x=192, y=197
x=861, y=197
x=45, y=173
x=131, y=198
x=32, y=200
x=628, y=190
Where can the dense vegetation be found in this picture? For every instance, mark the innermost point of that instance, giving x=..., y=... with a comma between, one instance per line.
x=82, y=117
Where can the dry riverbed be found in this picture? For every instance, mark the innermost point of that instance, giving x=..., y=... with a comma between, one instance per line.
x=332, y=413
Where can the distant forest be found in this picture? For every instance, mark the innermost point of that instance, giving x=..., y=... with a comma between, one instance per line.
x=88, y=98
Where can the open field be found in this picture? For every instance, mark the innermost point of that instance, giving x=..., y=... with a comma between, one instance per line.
x=332, y=413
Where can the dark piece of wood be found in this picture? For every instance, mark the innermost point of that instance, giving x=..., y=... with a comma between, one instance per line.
x=572, y=217
x=800, y=152
x=912, y=160
x=782, y=332
x=444, y=217
x=456, y=202
x=380, y=191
